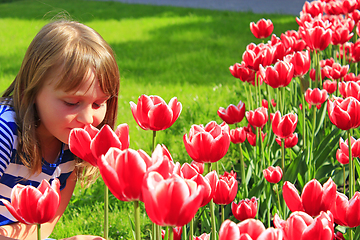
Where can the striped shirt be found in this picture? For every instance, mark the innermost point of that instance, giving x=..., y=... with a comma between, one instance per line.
x=12, y=170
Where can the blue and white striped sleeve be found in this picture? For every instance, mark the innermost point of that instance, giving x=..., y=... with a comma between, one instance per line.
x=8, y=139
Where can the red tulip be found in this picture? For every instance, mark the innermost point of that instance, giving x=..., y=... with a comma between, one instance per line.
x=161, y=162
x=330, y=86
x=294, y=43
x=340, y=35
x=262, y=29
x=355, y=54
x=32, y=205
x=273, y=174
x=279, y=75
x=315, y=96
x=355, y=16
x=355, y=146
x=177, y=233
x=314, y=198
x=251, y=229
x=123, y=172
x=314, y=8
x=152, y=112
x=290, y=141
x=187, y=171
x=209, y=143
x=301, y=63
x=327, y=62
x=246, y=208
x=333, y=8
x=284, y=126
x=301, y=226
x=260, y=54
x=229, y=230
x=242, y=72
x=232, y=114
x=280, y=51
x=351, y=77
x=258, y=117
x=344, y=114
x=339, y=236
x=317, y=38
x=90, y=143
x=342, y=157
x=348, y=6
x=304, y=18
x=350, y=89
x=204, y=236
x=198, y=166
x=336, y=71
x=312, y=74
x=206, y=190
x=342, y=154
x=170, y=202
x=251, y=137
x=346, y=212
x=224, y=188
x=346, y=51
x=238, y=135
x=265, y=104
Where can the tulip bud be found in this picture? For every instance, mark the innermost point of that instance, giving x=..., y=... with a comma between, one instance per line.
x=273, y=174
x=152, y=112
x=246, y=208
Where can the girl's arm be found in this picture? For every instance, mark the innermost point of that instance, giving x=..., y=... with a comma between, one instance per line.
x=29, y=232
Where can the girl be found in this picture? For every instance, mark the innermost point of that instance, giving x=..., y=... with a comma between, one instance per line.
x=68, y=79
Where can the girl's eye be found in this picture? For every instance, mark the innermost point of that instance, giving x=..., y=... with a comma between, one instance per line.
x=98, y=105
x=70, y=104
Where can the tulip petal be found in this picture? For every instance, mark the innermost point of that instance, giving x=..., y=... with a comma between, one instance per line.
x=291, y=197
x=103, y=141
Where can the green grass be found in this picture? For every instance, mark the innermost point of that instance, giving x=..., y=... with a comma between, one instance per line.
x=165, y=51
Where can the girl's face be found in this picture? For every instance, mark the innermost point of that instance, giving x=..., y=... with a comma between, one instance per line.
x=61, y=111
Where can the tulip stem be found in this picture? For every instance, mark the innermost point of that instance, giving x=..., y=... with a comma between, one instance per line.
x=256, y=90
x=303, y=112
x=283, y=154
x=106, y=212
x=153, y=141
x=158, y=232
x=282, y=97
x=351, y=170
x=137, y=220
x=39, y=231
x=191, y=229
x=261, y=149
x=312, y=139
x=278, y=200
x=243, y=171
x=184, y=230
x=278, y=94
x=213, y=224
x=343, y=167
x=171, y=233
x=212, y=213
x=222, y=214
x=251, y=98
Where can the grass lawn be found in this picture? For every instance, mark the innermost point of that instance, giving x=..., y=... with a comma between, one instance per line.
x=165, y=51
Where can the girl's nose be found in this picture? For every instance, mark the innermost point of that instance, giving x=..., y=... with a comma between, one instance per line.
x=85, y=116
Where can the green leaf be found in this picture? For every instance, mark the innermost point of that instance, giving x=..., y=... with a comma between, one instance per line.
x=132, y=224
x=326, y=147
x=320, y=123
x=296, y=166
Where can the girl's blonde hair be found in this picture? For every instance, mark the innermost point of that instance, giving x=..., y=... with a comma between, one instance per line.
x=75, y=49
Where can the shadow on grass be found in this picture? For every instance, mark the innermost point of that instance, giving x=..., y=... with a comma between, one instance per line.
x=198, y=52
